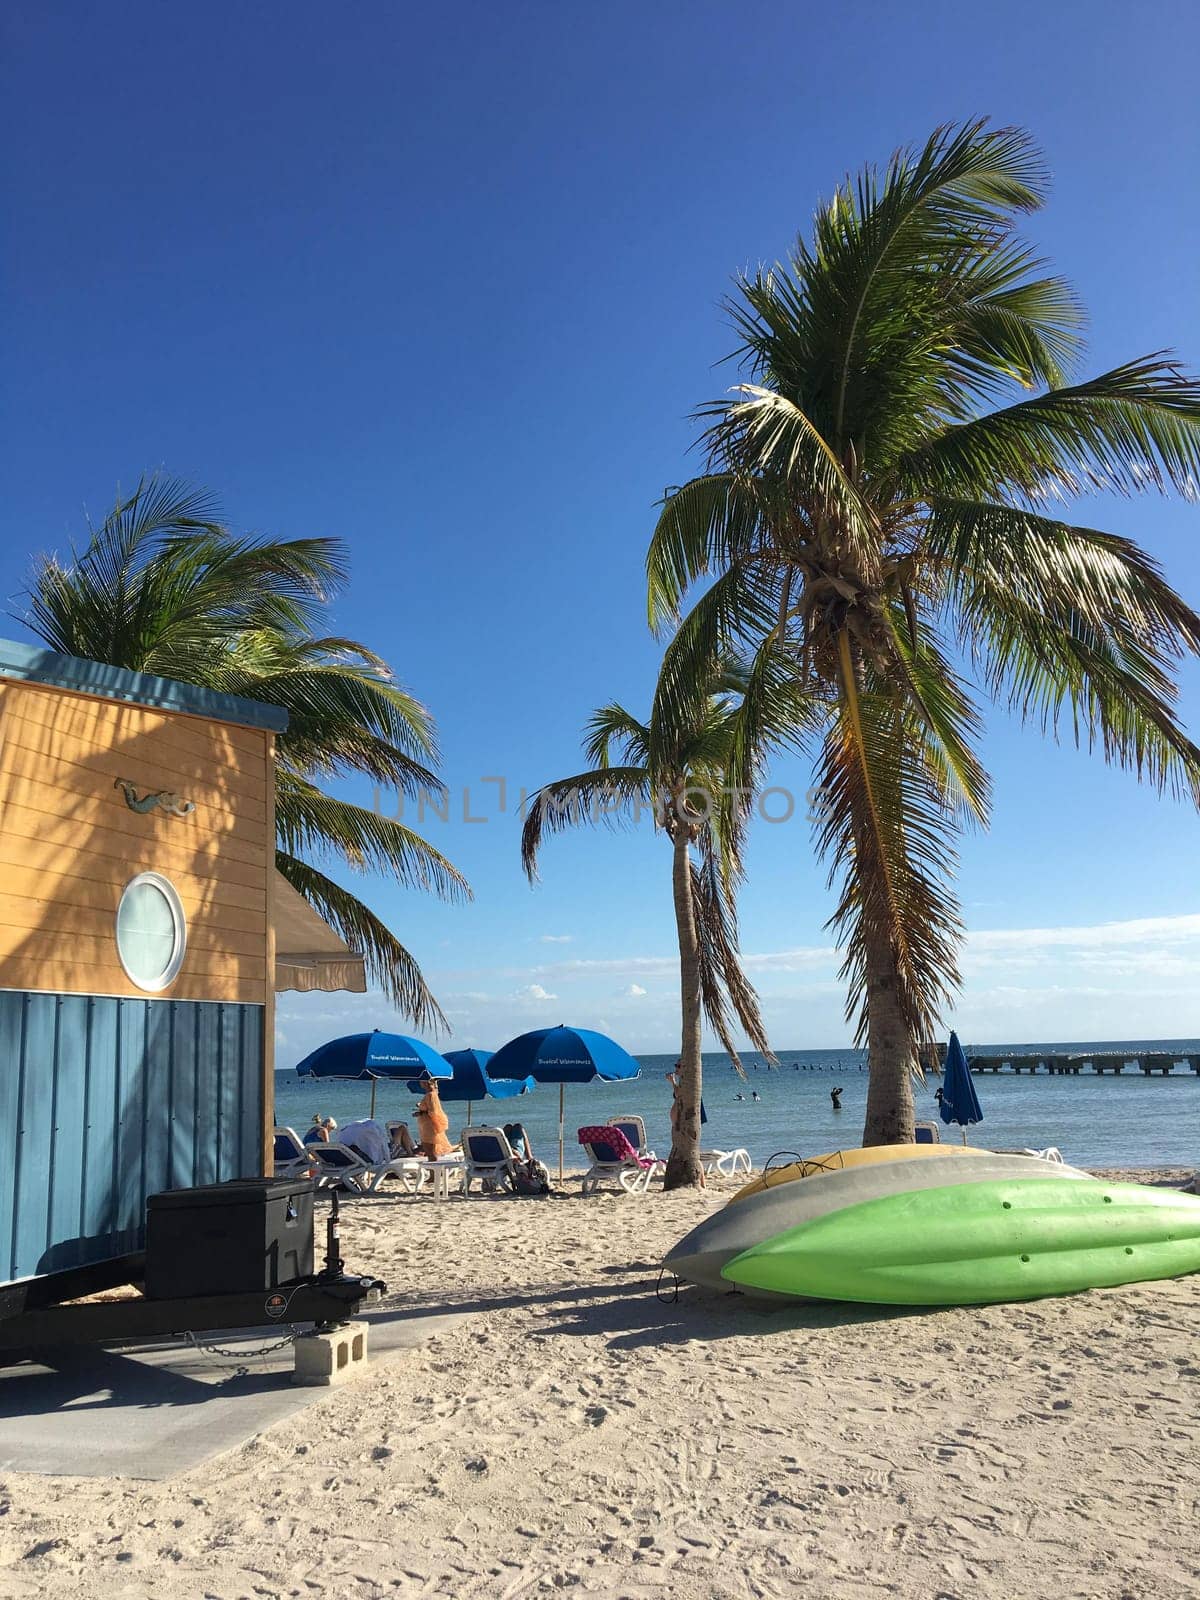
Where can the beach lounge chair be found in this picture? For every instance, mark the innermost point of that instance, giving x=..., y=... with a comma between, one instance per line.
x=293, y=1157
x=926, y=1133
x=634, y=1130
x=728, y=1163
x=487, y=1157
x=339, y=1167
x=612, y=1156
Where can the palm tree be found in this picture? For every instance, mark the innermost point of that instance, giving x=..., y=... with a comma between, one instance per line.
x=885, y=499
x=681, y=778
x=163, y=587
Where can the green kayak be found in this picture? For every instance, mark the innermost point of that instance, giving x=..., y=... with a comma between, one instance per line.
x=977, y=1243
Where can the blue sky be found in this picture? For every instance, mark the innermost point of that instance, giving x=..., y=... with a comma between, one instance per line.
x=448, y=286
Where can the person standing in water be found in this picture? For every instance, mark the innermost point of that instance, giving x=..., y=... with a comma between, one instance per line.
x=836, y=1096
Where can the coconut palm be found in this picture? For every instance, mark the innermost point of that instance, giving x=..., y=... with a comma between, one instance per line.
x=162, y=586
x=886, y=500
x=681, y=780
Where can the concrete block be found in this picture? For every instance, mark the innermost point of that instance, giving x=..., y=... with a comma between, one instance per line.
x=334, y=1357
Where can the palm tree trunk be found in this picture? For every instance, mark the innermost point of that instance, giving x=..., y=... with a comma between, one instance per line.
x=683, y=1164
x=890, y=1051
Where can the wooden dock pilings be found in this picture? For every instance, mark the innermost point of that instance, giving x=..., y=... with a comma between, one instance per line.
x=1072, y=1065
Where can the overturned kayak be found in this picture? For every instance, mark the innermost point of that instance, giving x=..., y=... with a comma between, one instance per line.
x=842, y=1160
x=758, y=1216
x=980, y=1243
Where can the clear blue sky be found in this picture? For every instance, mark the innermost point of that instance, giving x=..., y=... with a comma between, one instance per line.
x=448, y=286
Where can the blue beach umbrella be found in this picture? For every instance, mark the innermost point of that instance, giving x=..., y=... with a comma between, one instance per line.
x=959, y=1102
x=374, y=1056
x=472, y=1081
x=563, y=1055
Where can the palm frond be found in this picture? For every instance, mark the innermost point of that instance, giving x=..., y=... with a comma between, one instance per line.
x=946, y=724
x=388, y=963
x=888, y=832
x=1126, y=431
x=604, y=795
x=726, y=993
x=767, y=434
x=737, y=606
x=1065, y=620
x=703, y=526
x=612, y=725
x=309, y=821
x=955, y=194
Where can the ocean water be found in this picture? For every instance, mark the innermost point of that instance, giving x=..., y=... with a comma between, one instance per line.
x=1125, y=1121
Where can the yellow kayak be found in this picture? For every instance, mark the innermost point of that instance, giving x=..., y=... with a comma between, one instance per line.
x=836, y=1160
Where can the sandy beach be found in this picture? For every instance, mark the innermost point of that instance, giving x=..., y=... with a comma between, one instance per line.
x=580, y=1434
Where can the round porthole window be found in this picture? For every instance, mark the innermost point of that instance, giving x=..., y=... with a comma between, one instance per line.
x=151, y=931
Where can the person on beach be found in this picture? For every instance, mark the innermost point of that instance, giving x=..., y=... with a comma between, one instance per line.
x=518, y=1139
x=319, y=1132
x=369, y=1139
x=673, y=1080
x=432, y=1123
x=403, y=1143
x=530, y=1177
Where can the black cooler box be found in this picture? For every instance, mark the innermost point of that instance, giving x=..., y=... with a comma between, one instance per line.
x=228, y=1238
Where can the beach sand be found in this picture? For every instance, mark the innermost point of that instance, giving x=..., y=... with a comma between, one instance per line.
x=580, y=1435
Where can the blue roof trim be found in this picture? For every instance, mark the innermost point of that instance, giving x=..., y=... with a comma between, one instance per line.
x=29, y=664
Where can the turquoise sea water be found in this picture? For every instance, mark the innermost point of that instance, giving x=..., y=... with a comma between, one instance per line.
x=1128, y=1120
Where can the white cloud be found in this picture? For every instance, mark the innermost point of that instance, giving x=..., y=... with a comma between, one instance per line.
x=1138, y=931
x=633, y=991
x=557, y=938
x=533, y=991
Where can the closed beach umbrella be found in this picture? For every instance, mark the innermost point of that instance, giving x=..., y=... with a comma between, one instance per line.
x=563, y=1055
x=472, y=1081
x=374, y=1056
x=959, y=1102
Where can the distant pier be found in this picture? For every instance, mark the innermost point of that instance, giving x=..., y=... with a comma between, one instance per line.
x=1098, y=1065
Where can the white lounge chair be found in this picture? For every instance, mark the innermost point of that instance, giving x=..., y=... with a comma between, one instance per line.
x=341, y=1166
x=613, y=1156
x=487, y=1158
x=728, y=1163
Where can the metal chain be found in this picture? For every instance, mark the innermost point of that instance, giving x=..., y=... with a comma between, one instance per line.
x=205, y=1347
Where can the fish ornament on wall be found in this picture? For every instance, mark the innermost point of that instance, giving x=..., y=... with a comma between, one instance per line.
x=170, y=802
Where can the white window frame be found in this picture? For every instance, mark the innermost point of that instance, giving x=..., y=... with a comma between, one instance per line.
x=169, y=893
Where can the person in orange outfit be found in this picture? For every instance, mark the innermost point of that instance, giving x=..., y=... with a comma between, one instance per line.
x=432, y=1123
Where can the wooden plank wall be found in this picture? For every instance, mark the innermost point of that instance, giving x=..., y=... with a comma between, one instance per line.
x=69, y=843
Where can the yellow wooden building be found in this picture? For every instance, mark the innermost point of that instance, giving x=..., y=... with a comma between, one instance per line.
x=144, y=932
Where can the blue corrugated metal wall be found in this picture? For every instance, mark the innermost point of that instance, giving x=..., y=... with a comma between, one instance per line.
x=104, y=1101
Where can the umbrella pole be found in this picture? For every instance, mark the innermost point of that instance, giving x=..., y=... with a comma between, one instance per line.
x=470, y=1103
x=561, y=1091
x=374, y=1087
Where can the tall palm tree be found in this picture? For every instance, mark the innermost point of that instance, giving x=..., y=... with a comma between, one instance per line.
x=681, y=778
x=886, y=500
x=162, y=586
